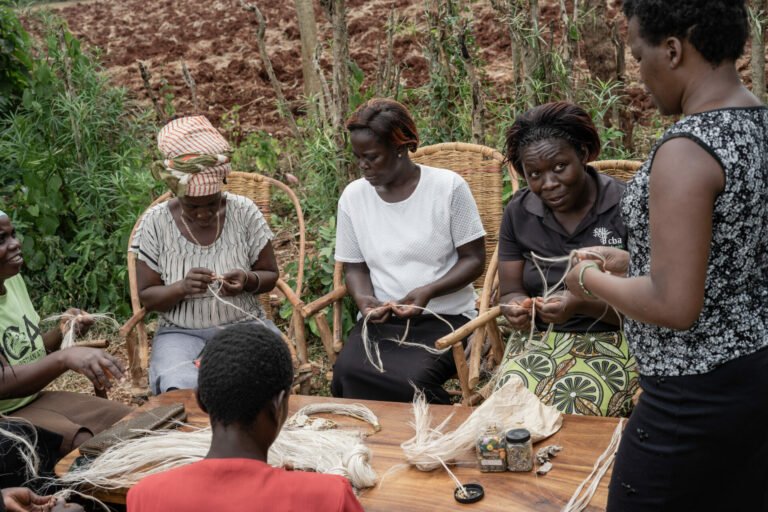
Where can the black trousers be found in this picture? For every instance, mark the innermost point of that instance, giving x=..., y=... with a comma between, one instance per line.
x=697, y=442
x=355, y=377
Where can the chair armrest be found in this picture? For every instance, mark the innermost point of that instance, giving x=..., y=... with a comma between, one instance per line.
x=464, y=331
x=294, y=299
x=313, y=307
x=131, y=323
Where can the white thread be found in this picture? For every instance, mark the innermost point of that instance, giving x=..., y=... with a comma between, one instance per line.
x=24, y=445
x=124, y=464
x=370, y=345
x=65, y=494
x=358, y=411
x=532, y=343
x=215, y=292
x=580, y=501
x=513, y=405
x=72, y=322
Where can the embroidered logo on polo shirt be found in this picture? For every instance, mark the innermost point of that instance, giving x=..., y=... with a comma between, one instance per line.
x=603, y=234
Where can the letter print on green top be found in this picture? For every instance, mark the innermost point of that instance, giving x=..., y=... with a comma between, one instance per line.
x=578, y=373
x=21, y=341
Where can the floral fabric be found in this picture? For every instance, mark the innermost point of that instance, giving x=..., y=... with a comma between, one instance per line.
x=589, y=373
x=734, y=319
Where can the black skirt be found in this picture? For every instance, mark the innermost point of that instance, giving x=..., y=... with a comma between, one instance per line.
x=697, y=442
x=355, y=377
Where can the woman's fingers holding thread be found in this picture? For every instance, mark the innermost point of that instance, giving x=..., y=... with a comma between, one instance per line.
x=518, y=312
x=380, y=313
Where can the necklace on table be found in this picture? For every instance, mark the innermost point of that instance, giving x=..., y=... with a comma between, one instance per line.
x=218, y=228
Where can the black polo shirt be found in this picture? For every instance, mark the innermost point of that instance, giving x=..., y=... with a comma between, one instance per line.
x=530, y=226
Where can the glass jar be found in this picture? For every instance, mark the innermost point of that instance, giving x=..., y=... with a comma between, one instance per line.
x=491, y=451
x=519, y=450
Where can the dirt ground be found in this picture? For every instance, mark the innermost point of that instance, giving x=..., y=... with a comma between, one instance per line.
x=217, y=42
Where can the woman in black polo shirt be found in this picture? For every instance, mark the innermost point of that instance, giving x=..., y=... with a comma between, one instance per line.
x=582, y=365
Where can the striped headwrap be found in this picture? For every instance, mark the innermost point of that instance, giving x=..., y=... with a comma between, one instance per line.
x=196, y=157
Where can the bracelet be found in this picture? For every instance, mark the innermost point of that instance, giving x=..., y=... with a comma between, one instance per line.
x=258, y=282
x=584, y=290
x=245, y=283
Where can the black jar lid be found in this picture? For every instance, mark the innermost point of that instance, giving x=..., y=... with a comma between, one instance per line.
x=474, y=493
x=518, y=435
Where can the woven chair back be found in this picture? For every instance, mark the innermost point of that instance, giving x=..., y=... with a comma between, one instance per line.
x=251, y=185
x=481, y=167
x=619, y=169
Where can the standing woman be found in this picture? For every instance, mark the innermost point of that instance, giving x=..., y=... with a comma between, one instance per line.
x=697, y=282
x=407, y=235
x=183, y=245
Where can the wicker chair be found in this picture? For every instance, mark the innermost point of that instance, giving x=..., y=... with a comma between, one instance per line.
x=481, y=167
x=486, y=319
x=256, y=187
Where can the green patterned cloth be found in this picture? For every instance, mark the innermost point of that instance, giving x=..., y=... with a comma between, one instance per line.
x=579, y=373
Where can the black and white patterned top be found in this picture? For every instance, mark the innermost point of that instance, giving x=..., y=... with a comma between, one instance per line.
x=158, y=242
x=734, y=319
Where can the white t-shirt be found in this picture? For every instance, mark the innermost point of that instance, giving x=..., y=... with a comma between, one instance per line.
x=413, y=242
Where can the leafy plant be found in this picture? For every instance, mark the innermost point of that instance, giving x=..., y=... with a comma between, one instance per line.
x=318, y=280
x=74, y=175
x=15, y=59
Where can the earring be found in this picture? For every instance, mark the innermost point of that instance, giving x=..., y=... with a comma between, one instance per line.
x=399, y=155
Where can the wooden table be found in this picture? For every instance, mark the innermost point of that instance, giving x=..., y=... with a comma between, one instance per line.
x=583, y=439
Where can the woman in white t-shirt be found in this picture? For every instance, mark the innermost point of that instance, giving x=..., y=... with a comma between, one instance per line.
x=407, y=235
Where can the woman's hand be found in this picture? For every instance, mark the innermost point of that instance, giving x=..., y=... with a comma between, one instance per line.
x=196, y=281
x=418, y=297
x=21, y=499
x=518, y=312
x=82, y=321
x=62, y=506
x=99, y=366
x=611, y=260
x=233, y=282
x=556, y=309
x=578, y=272
x=378, y=311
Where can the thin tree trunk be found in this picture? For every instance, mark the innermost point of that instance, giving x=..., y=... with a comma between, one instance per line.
x=478, y=100
x=337, y=13
x=532, y=51
x=308, y=32
x=282, y=103
x=599, y=46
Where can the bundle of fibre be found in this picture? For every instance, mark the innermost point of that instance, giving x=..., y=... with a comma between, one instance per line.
x=511, y=406
x=124, y=464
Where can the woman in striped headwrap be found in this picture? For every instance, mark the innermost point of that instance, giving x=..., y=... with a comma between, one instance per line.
x=200, y=244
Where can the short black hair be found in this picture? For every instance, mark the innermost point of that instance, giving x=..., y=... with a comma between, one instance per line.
x=389, y=120
x=556, y=120
x=718, y=29
x=241, y=369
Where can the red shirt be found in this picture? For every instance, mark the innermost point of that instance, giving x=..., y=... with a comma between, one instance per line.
x=223, y=485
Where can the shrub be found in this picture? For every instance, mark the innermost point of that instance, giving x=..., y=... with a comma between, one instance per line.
x=74, y=175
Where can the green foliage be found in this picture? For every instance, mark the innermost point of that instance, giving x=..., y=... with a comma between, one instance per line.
x=258, y=152
x=15, y=59
x=445, y=101
x=75, y=176
x=318, y=277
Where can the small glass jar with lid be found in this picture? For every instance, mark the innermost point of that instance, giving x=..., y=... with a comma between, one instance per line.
x=491, y=452
x=519, y=450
